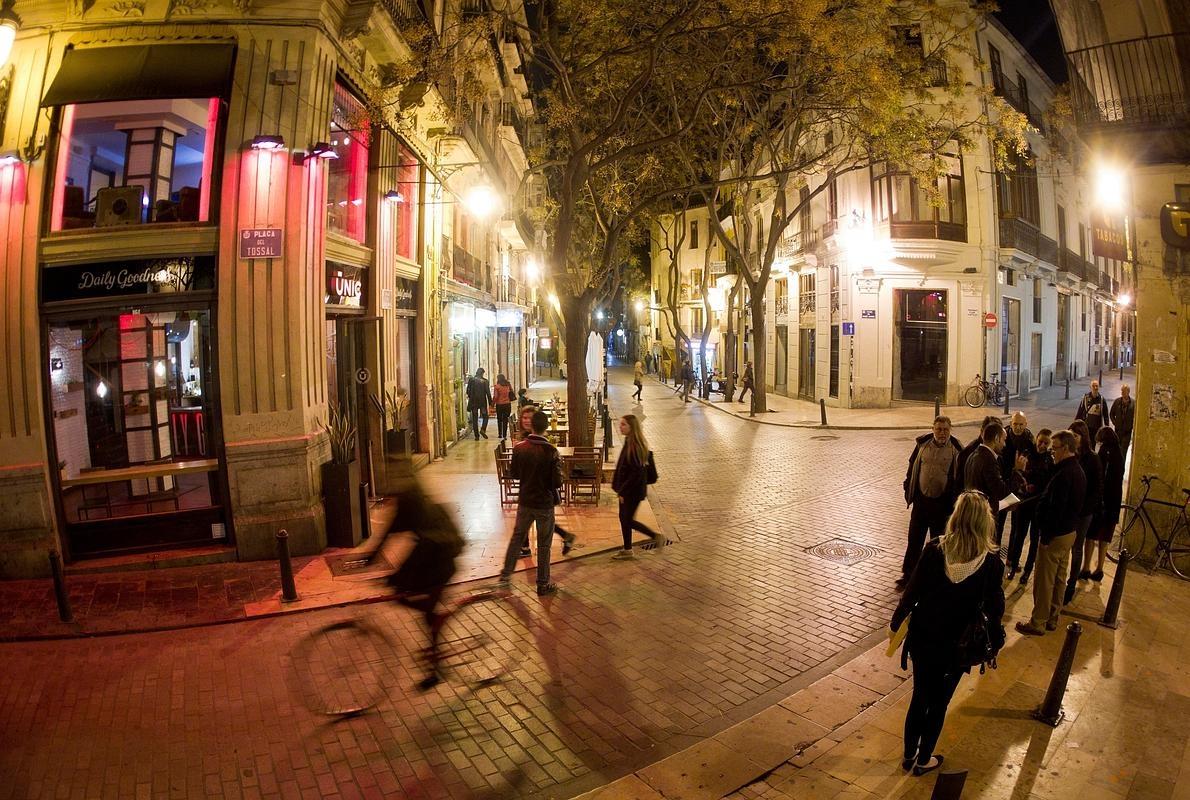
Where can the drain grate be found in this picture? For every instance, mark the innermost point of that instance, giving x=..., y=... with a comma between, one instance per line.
x=842, y=551
x=824, y=438
x=349, y=564
x=653, y=545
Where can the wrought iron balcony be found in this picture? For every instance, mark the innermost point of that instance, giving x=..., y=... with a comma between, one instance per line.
x=1072, y=263
x=1018, y=100
x=946, y=231
x=1138, y=82
x=1019, y=234
x=782, y=309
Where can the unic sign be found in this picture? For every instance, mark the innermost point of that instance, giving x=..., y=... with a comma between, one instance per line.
x=344, y=285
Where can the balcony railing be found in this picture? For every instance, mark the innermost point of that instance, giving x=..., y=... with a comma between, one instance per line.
x=946, y=231
x=782, y=307
x=1024, y=236
x=806, y=303
x=404, y=11
x=1134, y=82
x=1072, y=263
x=935, y=71
x=467, y=268
x=1018, y=100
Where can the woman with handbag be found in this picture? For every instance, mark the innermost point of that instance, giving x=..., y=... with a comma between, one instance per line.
x=502, y=400
x=954, y=603
x=635, y=470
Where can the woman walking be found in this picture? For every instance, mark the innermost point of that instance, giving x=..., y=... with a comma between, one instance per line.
x=631, y=482
x=502, y=400
x=638, y=378
x=1092, y=501
x=958, y=576
x=1111, y=456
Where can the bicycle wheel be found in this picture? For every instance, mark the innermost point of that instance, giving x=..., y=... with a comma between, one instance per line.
x=1130, y=534
x=1179, y=550
x=975, y=397
x=340, y=667
x=479, y=641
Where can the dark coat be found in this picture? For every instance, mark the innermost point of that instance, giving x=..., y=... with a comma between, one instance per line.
x=535, y=463
x=1013, y=446
x=952, y=479
x=983, y=474
x=1122, y=417
x=1061, y=504
x=630, y=480
x=1093, y=471
x=479, y=393
x=1113, y=482
x=1039, y=471
x=942, y=609
x=1094, y=411
x=966, y=454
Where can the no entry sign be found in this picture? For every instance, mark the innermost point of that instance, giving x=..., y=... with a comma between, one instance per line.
x=989, y=320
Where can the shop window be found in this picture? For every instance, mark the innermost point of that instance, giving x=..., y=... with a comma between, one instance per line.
x=694, y=234
x=901, y=197
x=133, y=162
x=348, y=185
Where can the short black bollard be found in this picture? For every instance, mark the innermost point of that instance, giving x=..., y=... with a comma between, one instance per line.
x=1050, y=711
x=1112, y=612
x=822, y=409
x=1007, y=409
x=1068, y=388
x=288, y=589
x=949, y=785
x=1101, y=376
x=64, y=612
x=1051, y=377
x=1121, y=369
x=937, y=407
x=607, y=435
x=365, y=517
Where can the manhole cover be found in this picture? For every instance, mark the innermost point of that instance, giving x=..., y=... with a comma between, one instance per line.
x=842, y=551
x=653, y=545
x=350, y=564
x=824, y=438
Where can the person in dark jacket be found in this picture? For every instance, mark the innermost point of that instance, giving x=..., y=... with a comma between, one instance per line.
x=1111, y=458
x=1123, y=415
x=1093, y=409
x=1092, y=500
x=525, y=429
x=746, y=383
x=1037, y=476
x=983, y=468
x=631, y=482
x=958, y=575
x=1058, y=513
x=1018, y=439
x=931, y=485
x=973, y=445
x=535, y=463
x=479, y=399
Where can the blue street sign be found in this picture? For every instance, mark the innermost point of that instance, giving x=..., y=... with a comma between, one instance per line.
x=849, y=329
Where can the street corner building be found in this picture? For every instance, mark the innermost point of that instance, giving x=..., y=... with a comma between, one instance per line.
x=215, y=246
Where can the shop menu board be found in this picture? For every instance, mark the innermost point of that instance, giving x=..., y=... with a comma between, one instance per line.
x=147, y=276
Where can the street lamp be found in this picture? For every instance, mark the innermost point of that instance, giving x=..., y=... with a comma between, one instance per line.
x=482, y=201
x=639, y=305
x=1109, y=187
x=10, y=23
x=1124, y=300
x=532, y=270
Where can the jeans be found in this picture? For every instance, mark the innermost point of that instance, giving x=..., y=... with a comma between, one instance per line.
x=543, y=520
x=686, y=386
x=1048, y=587
x=747, y=388
x=928, y=514
x=639, y=389
x=503, y=412
x=1076, y=561
x=932, y=689
x=478, y=414
x=1022, y=524
x=628, y=523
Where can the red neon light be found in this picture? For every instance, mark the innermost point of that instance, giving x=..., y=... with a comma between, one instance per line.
x=62, y=168
x=208, y=160
x=12, y=184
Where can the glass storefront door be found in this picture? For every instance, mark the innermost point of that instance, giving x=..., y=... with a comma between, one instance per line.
x=1010, y=345
x=919, y=364
x=805, y=373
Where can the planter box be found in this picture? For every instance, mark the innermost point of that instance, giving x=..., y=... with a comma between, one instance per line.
x=397, y=443
x=340, y=488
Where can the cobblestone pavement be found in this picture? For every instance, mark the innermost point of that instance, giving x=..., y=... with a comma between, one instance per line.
x=622, y=667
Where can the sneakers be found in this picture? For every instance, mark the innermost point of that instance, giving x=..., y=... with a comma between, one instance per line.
x=547, y=590
x=1024, y=578
x=526, y=552
x=1028, y=629
x=568, y=540
x=624, y=555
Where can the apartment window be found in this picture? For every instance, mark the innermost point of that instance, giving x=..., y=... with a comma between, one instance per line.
x=1082, y=314
x=348, y=185
x=694, y=234
x=834, y=366
x=1061, y=229
x=805, y=217
x=781, y=290
x=997, y=69
x=1016, y=189
x=834, y=275
x=1010, y=277
x=1037, y=299
x=806, y=288
x=909, y=42
x=900, y=197
x=1024, y=90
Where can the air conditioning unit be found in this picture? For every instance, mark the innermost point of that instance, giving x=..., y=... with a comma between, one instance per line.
x=119, y=205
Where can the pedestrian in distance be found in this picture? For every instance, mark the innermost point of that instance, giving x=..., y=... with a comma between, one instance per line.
x=525, y=425
x=502, y=399
x=479, y=399
x=1092, y=500
x=1093, y=410
x=638, y=378
x=1037, y=475
x=746, y=382
x=522, y=399
x=1122, y=416
x=982, y=473
x=973, y=445
x=1111, y=458
x=687, y=380
x=1058, y=513
x=535, y=463
x=931, y=485
x=957, y=579
x=635, y=470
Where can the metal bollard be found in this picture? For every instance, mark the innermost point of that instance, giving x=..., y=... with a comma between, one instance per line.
x=1007, y=409
x=1067, y=388
x=1050, y=711
x=949, y=785
x=1121, y=369
x=288, y=589
x=937, y=407
x=822, y=409
x=64, y=612
x=1112, y=611
x=1100, y=376
x=607, y=435
x=365, y=519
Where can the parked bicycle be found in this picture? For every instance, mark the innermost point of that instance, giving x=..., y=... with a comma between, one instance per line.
x=344, y=668
x=1172, y=550
x=982, y=392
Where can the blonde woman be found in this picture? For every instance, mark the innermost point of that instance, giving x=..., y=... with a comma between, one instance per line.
x=631, y=482
x=956, y=574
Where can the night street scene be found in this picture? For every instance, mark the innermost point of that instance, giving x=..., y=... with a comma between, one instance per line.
x=545, y=399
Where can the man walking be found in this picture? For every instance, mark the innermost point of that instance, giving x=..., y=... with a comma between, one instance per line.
x=1057, y=520
x=687, y=380
x=1093, y=409
x=536, y=465
x=1123, y=413
x=479, y=398
x=746, y=383
x=931, y=485
x=982, y=472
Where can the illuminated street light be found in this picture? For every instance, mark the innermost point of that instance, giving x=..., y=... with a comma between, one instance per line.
x=10, y=23
x=639, y=305
x=599, y=314
x=532, y=270
x=1125, y=300
x=1109, y=187
x=482, y=201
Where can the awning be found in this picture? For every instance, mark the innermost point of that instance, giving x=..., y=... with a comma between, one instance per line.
x=142, y=72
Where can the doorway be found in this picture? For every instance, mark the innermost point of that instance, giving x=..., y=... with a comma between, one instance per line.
x=1010, y=346
x=1060, y=366
x=919, y=360
x=805, y=373
x=781, y=379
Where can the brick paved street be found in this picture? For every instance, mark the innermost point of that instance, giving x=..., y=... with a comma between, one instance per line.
x=618, y=670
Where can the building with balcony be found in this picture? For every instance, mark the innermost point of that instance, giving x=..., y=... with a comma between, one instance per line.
x=216, y=239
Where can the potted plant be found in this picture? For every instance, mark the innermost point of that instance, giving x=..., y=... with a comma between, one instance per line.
x=340, y=482
x=398, y=438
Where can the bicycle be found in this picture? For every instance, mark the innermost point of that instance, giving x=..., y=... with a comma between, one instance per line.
x=342, y=668
x=1173, y=550
x=981, y=392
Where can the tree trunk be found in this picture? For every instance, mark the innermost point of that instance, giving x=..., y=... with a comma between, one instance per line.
x=759, y=354
x=576, y=312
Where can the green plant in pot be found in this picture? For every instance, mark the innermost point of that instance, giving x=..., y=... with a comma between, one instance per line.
x=340, y=481
x=398, y=436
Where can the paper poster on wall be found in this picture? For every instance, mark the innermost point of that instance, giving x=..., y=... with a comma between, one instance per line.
x=1161, y=406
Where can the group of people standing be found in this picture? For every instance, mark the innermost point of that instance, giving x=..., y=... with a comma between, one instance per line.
x=1067, y=495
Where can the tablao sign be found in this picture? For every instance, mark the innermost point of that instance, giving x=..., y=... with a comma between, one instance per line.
x=990, y=320
x=344, y=285
x=261, y=243
x=404, y=294
x=1108, y=237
